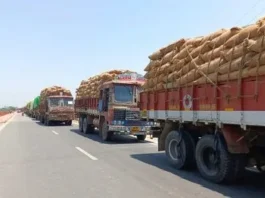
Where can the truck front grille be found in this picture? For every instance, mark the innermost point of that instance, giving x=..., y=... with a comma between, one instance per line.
x=122, y=114
x=119, y=114
x=132, y=115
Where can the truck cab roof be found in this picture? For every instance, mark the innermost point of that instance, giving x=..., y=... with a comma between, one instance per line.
x=127, y=79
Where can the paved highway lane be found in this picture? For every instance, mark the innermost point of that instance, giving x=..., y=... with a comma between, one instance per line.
x=57, y=161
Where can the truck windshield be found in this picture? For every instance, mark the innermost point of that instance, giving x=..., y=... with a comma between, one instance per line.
x=54, y=102
x=123, y=93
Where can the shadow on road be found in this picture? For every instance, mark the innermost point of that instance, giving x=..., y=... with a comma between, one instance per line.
x=253, y=184
x=117, y=139
x=52, y=124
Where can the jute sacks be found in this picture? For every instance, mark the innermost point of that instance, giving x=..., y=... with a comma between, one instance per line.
x=250, y=31
x=91, y=86
x=219, y=56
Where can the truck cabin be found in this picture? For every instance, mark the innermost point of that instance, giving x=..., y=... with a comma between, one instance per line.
x=120, y=94
x=60, y=101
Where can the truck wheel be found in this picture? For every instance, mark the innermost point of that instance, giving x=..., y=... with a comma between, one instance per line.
x=85, y=125
x=241, y=161
x=105, y=133
x=180, y=150
x=47, y=122
x=42, y=120
x=90, y=128
x=80, y=124
x=214, y=161
x=69, y=123
x=141, y=137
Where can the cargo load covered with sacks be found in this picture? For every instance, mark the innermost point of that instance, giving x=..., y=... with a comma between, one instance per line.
x=206, y=96
x=56, y=106
x=110, y=102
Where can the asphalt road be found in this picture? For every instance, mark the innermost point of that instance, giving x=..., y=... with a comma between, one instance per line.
x=57, y=161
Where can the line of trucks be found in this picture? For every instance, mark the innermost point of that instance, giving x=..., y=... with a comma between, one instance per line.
x=54, y=105
x=201, y=119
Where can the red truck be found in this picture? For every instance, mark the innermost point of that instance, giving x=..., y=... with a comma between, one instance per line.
x=116, y=111
x=220, y=128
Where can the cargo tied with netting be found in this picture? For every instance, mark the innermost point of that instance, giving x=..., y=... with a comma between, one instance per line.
x=90, y=87
x=224, y=55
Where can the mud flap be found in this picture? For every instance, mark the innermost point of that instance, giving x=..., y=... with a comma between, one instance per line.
x=155, y=132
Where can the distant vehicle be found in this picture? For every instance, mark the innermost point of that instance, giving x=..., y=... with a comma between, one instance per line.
x=35, y=108
x=56, y=107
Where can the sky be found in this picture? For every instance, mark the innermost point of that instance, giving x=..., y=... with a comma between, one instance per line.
x=62, y=42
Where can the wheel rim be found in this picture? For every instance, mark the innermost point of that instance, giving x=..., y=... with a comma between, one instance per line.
x=84, y=124
x=176, y=150
x=210, y=159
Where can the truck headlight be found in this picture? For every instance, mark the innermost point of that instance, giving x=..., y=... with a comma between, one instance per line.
x=157, y=124
x=151, y=124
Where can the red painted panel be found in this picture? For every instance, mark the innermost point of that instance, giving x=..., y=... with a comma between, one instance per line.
x=161, y=101
x=151, y=101
x=143, y=101
x=173, y=98
x=251, y=89
x=229, y=96
x=205, y=98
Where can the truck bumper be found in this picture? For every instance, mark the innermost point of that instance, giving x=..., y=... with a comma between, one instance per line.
x=60, y=119
x=129, y=130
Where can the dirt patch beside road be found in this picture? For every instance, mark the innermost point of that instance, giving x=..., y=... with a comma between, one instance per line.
x=6, y=117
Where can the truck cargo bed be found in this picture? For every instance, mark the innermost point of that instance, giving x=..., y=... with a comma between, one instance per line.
x=238, y=102
x=87, y=104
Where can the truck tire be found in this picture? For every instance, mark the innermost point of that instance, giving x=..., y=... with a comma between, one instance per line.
x=80, y=124
x=215, y=163
x=68, y=123
x=90, y=128
x=42, y=120
x=141, y=137
x=85, y=125
x=106, y=135
x=180, y=150
x=47, y=122
x=241, y=161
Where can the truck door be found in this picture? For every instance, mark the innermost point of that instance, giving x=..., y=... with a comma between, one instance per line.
x=100, y=103
x=106, y=99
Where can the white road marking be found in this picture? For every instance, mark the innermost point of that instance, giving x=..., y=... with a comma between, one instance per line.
x=6, y=123
x=55, y=133
x=86, y=153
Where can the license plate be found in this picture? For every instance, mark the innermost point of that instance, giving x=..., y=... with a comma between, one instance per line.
x=135, y=129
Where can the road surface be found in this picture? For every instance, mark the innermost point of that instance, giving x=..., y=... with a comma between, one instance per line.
x=57, y=161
